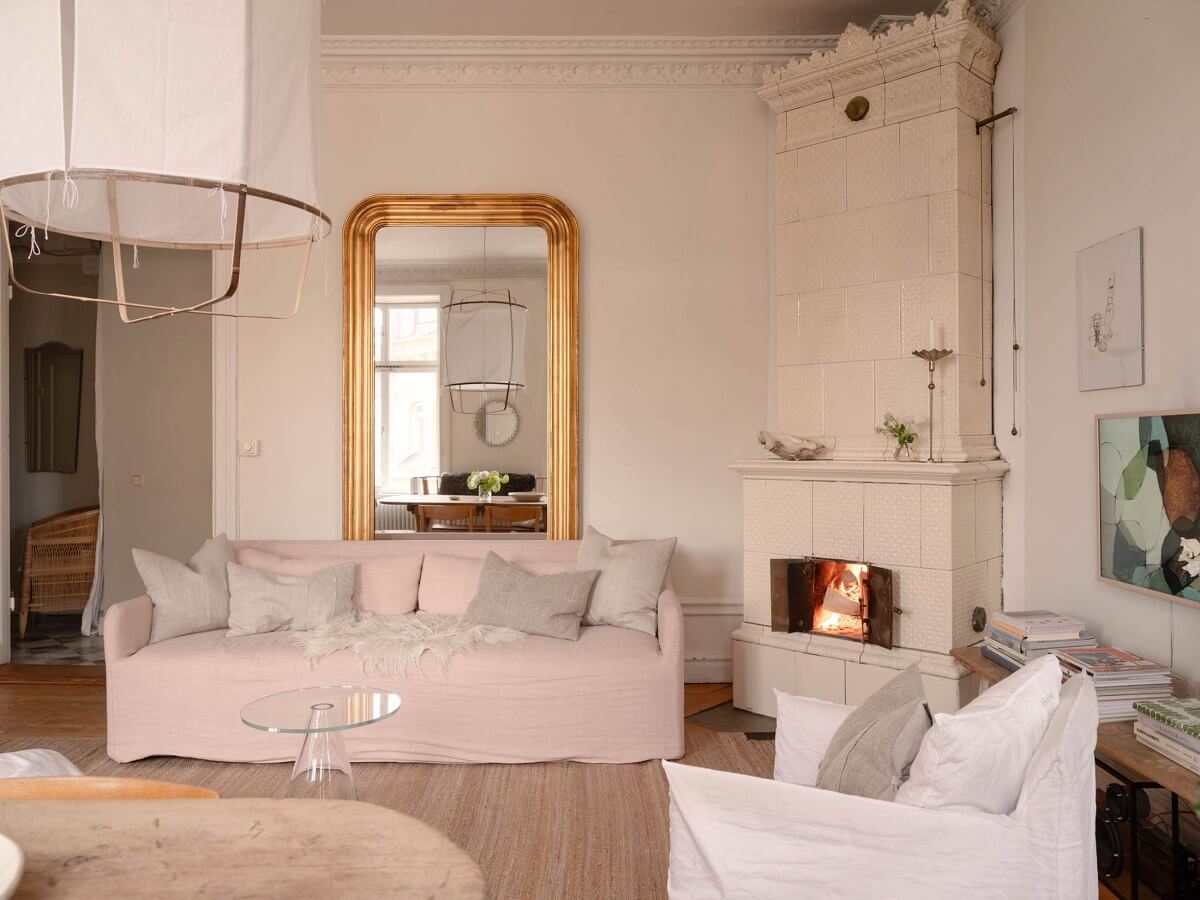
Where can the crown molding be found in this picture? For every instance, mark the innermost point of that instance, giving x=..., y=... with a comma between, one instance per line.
x=437, y=271
x=386, y=62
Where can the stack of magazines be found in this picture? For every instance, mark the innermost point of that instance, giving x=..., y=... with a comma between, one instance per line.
x=1122, y=678
x=1172, y=727
x=1014, y=638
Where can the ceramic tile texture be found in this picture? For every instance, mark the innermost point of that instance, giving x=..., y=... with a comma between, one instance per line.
x=787, y=334
x=873, y=167
x=900, y=234
x=873, y=320
x=892, y=524
x=849, y=398
x=845, y=242
x=756, y=587
x=820, y=179
x=778, y=517
x=799, y=396
x=822, y=335
x=838, y=519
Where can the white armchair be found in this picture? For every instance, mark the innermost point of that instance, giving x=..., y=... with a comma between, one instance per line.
x=735, y=836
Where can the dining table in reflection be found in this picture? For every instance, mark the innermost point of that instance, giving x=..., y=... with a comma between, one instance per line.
x=470, y=513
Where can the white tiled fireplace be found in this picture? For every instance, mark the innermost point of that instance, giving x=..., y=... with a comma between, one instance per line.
x=881, y=225
x=935, y=525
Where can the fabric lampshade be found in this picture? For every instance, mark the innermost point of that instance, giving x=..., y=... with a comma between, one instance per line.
x=483, y=341
x=145, y=121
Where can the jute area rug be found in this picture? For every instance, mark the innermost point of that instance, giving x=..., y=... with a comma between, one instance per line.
x=559, y=831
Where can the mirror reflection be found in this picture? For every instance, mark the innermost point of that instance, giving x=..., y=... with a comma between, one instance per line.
x=460, y=382
x=496, y=423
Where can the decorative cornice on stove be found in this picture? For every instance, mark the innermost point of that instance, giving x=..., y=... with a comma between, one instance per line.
x=390, y=272
x=382, y=62
x=872, y=471
x=862, y=60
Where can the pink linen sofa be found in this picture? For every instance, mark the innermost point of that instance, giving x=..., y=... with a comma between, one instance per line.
x=613, y=696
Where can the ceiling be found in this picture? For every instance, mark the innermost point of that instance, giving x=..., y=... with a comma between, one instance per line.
x=407, y=244
x=607, y=17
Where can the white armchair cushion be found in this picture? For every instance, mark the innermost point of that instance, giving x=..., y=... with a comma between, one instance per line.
x=976, y=759
x=804, y=727
x=35, y=764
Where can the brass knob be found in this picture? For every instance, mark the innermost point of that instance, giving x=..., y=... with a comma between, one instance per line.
x=857, y=108
x=897, y=611
x=978, y=619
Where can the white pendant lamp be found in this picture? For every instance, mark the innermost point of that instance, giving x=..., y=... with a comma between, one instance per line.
x=483, y=345
x=161, y=123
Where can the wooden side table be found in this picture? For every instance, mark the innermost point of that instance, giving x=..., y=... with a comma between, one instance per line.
x=1122, y=756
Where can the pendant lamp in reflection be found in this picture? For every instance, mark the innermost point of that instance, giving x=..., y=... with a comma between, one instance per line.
x=483, y=346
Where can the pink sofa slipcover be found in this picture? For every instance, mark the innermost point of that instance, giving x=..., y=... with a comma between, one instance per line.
x=615, y=695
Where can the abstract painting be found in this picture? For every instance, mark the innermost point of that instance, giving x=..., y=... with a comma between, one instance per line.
x=1149, y=468
x=1108, y=280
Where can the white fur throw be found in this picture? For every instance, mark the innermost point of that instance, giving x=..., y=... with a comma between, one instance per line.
x=388, y=645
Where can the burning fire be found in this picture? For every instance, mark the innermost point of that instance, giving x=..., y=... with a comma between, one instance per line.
x=841, y=608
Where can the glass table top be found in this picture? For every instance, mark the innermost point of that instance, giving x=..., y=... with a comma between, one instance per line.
x=318, y=709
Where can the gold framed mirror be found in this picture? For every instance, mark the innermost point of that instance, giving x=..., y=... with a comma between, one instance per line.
x=359, y=235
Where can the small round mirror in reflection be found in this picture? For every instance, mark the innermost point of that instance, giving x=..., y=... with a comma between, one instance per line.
x=495, y=423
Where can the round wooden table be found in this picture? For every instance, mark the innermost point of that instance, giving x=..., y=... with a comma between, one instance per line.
x=233, y=848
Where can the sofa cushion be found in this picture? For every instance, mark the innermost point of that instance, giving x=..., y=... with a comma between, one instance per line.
x=872, y=751
x=449, y=583
x=187, y=597
x=263, y=601
x=631, y=578
x=804, y=726
x=386, y=585
x=976, y=758
x=550, y=605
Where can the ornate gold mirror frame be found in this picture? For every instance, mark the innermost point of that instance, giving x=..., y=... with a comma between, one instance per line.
x=562, y=336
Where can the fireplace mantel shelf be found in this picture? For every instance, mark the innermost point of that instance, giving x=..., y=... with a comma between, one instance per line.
x=872, y=470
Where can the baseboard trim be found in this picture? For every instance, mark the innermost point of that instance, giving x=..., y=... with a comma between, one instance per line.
x=708, y=671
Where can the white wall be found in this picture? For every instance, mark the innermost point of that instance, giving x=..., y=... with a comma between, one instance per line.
x=670, y=189
x=156, y=418
x=1110, y=145
x=32, y=322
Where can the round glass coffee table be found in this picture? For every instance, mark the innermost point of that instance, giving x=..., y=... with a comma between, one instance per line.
x=321, y=714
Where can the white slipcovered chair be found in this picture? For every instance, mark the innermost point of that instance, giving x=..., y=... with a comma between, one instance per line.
x=736, y=837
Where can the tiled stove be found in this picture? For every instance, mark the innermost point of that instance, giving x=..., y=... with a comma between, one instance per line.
x=936, y=527
x=883, y=222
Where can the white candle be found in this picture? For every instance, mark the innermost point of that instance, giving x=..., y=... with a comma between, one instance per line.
x=932, y=338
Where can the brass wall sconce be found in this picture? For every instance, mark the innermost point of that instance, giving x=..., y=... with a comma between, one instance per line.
x=857, y=108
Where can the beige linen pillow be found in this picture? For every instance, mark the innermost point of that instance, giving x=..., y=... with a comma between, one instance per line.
x=872, y=750
x=187, y=597
x=549, y=605
x=631, y=578
x=263, y=601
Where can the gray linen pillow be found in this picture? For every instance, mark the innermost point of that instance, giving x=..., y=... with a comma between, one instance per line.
x=631, y=578
x=549, y=605
x=873, y=749
x=187, y=597
x=264, y=601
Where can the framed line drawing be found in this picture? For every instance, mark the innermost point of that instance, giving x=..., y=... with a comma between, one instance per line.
x=1108, y=284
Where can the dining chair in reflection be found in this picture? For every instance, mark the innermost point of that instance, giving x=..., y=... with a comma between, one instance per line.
x=446, y=517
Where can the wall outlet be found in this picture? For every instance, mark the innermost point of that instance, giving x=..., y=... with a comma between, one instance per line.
x=249, y=448
x=137, y=480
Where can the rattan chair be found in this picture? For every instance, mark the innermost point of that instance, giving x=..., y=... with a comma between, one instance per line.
x=60, y=563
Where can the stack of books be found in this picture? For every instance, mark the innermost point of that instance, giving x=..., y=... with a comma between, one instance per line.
x=1121, y=678
x=1014, y=638
x=1172, y=727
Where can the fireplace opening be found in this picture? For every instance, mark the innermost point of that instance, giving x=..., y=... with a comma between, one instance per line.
x=835, y=597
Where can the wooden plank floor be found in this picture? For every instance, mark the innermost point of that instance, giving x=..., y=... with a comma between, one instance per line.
x=49, y=704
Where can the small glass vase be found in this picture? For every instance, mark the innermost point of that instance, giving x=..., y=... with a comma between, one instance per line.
x=485, y=496
x=902, y=453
